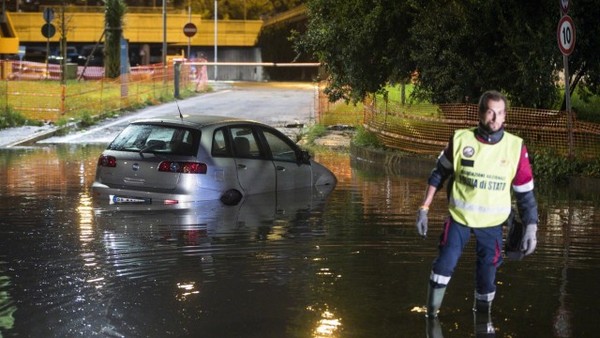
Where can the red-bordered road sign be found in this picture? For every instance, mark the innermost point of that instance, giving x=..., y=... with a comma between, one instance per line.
x=189, y=29
x=565, y=34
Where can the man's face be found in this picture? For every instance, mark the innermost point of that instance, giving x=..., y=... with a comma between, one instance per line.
x=494, y=118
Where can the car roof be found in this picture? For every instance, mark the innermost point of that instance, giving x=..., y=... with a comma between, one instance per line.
x=194, y=121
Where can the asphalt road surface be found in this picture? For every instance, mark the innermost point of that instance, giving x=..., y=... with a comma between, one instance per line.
x=278, y=105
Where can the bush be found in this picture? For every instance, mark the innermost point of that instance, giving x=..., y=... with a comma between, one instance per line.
x=86, y=119
x=586, y=105
x=314, y=132
x=10, y=118
x=61, y=122
x=548, y=166
x=365, y=138
x=591, y=168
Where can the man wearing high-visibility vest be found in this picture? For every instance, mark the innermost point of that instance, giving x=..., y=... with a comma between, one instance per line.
x=482, y=164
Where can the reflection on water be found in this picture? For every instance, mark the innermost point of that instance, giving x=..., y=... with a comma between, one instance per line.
x=310, y=263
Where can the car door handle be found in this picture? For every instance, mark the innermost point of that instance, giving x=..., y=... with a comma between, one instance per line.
x=241, y=166
x=280, y=168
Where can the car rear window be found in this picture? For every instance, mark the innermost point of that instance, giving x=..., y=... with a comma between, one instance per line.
x=150, y=138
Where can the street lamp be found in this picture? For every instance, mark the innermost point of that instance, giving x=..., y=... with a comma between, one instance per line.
x=164, y=42
x=216, y=40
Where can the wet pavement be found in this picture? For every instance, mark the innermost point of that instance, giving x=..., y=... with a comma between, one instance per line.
x=275, y=104
x=345, y=263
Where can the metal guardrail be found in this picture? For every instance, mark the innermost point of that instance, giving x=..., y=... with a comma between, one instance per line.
x=256, y=64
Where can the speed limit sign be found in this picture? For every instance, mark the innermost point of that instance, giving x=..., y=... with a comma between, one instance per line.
x=565, y=33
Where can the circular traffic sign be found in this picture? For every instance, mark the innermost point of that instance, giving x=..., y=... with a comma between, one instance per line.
x=189, y=29
x=48, y=30
x=565, y=33
x=564, y=6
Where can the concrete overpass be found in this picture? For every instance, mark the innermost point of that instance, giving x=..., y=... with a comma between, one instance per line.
x=236, y=39
x=139, y=28
x=87, y=27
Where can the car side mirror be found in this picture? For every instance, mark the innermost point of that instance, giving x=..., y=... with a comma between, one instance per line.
x=304, y=157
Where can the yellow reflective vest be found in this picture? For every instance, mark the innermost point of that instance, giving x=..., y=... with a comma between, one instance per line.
x=483, y=175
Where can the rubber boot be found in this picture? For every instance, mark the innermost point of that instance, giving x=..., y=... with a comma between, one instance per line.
x=482, y=318
x=434, y=300
x=483, y=307
x=434, y=328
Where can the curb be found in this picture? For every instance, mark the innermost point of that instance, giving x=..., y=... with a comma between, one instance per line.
x=30, y=140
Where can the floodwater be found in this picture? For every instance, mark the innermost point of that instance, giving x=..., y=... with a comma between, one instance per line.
x=345, y=263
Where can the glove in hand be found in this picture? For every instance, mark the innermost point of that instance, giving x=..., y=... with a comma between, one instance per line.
x=422, y=222
x=529, y=241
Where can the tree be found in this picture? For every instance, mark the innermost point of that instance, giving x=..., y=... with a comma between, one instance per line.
x=113, y=22
x=466, y=47
x=362, y=44
x=458, y=48
x=584, y=64
x=532, y=54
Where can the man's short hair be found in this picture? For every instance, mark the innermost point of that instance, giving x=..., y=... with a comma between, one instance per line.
x=493, y=95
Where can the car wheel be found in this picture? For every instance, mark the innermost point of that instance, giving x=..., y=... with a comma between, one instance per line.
x=231, y=197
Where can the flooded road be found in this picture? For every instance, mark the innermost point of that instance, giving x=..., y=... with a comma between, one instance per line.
x=345, y=263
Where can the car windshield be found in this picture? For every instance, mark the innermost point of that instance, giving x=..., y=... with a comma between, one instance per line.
x=150, y=138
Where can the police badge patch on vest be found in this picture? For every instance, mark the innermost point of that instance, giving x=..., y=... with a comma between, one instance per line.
x=467, y=152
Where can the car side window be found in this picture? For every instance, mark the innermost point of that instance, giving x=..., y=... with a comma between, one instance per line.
x=280, y=149
x=245, y=144
x=184, y=142
x=219, y=144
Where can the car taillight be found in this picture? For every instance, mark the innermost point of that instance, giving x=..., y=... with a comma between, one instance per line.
x=107, y=161
x=182, y=167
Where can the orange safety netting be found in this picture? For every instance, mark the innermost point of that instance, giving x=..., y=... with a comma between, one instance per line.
x=34, y=90
x=426, y=128
x=425, y=132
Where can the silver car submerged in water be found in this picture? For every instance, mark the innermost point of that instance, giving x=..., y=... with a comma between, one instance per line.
x=175, y=161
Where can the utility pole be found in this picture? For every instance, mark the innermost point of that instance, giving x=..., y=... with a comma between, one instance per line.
x=63, y=44
x=216, y=58
x=164, y=41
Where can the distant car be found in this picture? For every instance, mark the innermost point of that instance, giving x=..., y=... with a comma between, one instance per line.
x=35, y=54
x=199, y=158
x=91, y=55
x=72, y=56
